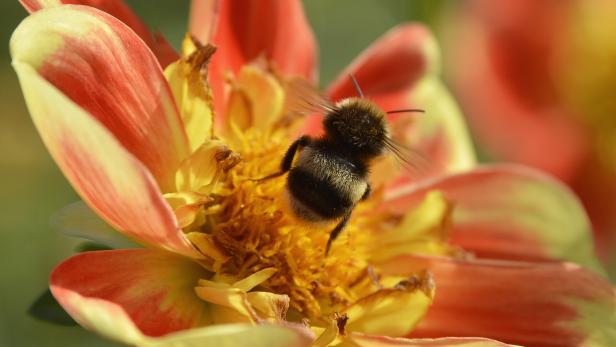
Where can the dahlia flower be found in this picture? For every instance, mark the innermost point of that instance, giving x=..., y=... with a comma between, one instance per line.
x=455, y=255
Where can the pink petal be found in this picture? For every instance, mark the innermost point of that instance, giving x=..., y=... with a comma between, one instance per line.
x=249, y=29
x=111, y=180
x=363, y=340
x=105, y=68
x=517, y=50
x=400, y=71
x=511, y=47
x=549, y=304
x=154, y=289
x=510, y=212
x=117, y=8
x=393, y=63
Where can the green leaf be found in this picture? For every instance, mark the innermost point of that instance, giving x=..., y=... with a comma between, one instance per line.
x=47, y=309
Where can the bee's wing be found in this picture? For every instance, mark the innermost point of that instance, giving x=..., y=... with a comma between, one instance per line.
x=304, y=99
x=408, y=157
x=414, y=162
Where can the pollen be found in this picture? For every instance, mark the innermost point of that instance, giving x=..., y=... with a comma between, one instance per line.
x=247, y=232
x=255, y=229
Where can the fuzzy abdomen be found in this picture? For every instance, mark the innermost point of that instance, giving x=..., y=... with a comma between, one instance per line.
x=324, y=186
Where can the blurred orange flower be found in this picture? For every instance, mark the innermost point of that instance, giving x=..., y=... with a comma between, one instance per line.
x=539, y=92
x=167, y=160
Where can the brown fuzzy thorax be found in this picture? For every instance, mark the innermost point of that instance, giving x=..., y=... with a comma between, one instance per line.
x=358, y=127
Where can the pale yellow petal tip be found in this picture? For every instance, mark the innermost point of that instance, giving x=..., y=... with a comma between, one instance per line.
x=597, y=321
x=190, y=44
x=104, y=317
x=432, y=51
x=266, y=335
x=40, y=34
x=444, y=122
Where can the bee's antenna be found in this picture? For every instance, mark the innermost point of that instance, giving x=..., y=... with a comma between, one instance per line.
x=356, y=85
x=407, y=110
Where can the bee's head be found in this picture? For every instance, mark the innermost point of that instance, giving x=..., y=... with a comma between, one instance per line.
x=358, y=126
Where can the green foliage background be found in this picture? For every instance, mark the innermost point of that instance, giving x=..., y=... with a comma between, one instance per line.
x=32, y=188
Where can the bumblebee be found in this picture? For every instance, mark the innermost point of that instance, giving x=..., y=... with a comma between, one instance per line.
x=330, y=175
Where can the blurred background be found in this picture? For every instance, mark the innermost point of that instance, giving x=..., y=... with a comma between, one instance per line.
x=534, y=78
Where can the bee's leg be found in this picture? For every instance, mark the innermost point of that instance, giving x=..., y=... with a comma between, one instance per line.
x=332, y=236
x=287, y=160
x=367, y=192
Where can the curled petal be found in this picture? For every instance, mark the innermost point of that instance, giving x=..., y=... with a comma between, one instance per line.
x=117, y=8
x=126, y=293
x=235, y=303
x=231, y=304
x=392, y=311
x=242, y=34
x=187, y=79
x=531, y=304
x=263, y=96
x=102, y=66
x=112, y=182
x=423, y=230
x=201, y=169
x=510, y=212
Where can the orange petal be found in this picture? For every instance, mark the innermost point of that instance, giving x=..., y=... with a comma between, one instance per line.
x=157, y=43
x=531, y=304
x=510, y=212
x=512, y=47
x=249, y=29
x=102, y=66
x=395, y=62
x=400, y=71
x=363, y=340
x=108, y=178
x=150, y=292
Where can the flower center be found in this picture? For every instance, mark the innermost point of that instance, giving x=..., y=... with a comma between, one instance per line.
x=265, y=261
x=254, y=229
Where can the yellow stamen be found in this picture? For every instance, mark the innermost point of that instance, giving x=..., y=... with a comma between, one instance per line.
x=264, y=259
